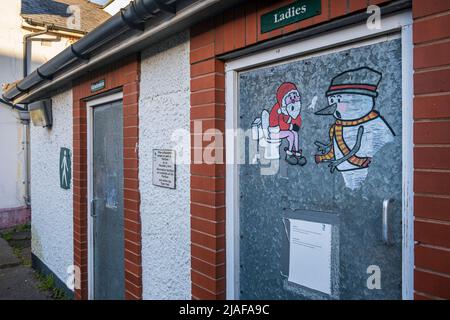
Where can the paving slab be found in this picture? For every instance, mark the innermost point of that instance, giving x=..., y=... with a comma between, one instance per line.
x=17, y=280
x=21, y=235
x=26, y=255
x=7, y=256
x=20, y=283
x=20, y=244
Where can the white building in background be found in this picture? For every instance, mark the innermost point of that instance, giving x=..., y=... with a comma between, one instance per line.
x=51, y=26
x=114, y=6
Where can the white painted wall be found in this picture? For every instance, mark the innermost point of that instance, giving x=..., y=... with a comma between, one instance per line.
x=12, y=167
x=11, y=161
x=52, y=208
x=164, y=109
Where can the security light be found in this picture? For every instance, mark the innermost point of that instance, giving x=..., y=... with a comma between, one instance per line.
x=41, y=113
x=24, y=116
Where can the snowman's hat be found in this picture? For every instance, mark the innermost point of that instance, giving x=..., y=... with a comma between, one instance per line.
x=363, y=81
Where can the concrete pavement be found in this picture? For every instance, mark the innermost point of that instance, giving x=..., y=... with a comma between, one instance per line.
x=18, y=281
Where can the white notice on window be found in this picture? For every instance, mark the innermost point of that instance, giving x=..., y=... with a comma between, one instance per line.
x=310, y=255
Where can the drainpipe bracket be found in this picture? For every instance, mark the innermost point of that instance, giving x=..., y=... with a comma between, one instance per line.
x=19, y=88
x=132, y=25
x=43, y=76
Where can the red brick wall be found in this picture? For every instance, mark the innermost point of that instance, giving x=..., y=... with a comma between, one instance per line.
x=207, y=186
x=432, y=148
x=234, y=29
x=123, y=75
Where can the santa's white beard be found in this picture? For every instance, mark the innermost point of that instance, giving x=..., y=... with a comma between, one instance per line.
x=293, y=109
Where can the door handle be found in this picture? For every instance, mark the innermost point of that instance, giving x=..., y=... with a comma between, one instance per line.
x=386, y=221
x=93, y=213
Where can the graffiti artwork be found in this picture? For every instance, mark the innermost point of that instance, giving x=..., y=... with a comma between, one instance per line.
x=359, y=131
x=349, y=132
x=282, y=122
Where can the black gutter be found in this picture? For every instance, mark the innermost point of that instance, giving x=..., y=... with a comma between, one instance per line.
x=132, y=16
x=9, y=104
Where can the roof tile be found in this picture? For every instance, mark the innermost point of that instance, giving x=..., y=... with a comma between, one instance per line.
x=57, y=12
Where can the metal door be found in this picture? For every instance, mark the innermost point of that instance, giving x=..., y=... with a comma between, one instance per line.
x=321, y=143
x=107, y=202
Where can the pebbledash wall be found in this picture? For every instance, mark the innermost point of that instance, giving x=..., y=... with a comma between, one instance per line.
x=164, y=124
x=239, y=27
x=52, y=220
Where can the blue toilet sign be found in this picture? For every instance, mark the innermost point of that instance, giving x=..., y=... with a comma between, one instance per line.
x=65, y=168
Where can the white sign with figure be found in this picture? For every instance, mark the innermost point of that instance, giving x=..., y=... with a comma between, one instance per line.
x=65, y=168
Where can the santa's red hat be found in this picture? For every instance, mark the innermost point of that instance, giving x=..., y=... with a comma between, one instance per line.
x=283, y=90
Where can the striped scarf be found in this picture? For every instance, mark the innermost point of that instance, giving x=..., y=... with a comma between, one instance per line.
x=336, y=131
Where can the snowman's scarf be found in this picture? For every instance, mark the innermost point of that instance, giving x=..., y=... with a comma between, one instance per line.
x=336, y=131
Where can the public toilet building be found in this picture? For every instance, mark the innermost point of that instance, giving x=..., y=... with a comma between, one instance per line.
x=214, y=149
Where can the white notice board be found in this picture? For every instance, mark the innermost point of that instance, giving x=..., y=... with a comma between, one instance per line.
x=310, y=254
x=164, y=168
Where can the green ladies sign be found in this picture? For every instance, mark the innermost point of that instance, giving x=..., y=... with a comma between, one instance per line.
x=295, y=12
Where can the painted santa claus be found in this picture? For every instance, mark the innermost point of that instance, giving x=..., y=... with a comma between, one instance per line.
x=285, y=121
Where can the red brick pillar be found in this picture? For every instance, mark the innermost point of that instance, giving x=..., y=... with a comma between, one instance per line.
x=432, y=148
x=79, y=180
x=207, y=179
x=131, y=194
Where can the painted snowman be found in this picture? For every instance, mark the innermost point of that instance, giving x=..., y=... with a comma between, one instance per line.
x=359, y=131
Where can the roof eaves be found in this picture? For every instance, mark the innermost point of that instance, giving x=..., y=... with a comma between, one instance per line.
x=66, y=66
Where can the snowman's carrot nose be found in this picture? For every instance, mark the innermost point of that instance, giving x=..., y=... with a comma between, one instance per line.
x=327, y=111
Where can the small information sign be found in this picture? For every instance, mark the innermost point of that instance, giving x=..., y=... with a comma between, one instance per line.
x=164, y=171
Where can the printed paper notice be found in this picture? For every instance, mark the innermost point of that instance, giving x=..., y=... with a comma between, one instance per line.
x=310, y=255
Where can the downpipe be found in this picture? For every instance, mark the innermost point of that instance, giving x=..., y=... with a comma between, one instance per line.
x=26, y=157
x=26, y=42
x=26, y=120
